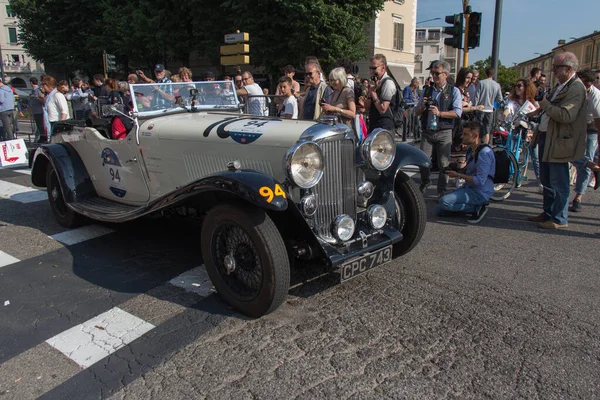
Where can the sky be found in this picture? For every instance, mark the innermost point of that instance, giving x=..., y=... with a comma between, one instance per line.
x=528, y=26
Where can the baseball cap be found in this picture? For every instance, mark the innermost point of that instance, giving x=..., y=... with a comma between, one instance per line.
x=216, y=86
x=209, y=74
x=430, y=65
x=159, y=67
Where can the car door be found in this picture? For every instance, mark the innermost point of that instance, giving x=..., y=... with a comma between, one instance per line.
x=115, y=168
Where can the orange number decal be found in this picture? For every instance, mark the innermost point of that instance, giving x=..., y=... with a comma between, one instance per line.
x=279, y=191
x=267, y=193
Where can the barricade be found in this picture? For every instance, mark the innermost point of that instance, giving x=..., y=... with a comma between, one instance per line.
x=412, y=124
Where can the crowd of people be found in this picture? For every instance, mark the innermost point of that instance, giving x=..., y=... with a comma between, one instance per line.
x=457, y=114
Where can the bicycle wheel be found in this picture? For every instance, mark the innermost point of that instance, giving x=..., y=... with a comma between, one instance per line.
x=503, y=190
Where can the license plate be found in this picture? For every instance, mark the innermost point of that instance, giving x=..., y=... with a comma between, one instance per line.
x=364, y=263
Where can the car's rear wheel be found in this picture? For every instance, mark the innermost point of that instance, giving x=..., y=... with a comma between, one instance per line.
x=246, y=258
x=63, y=214
x=411, y=216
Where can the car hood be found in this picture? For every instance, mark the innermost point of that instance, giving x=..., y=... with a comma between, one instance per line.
x=216, y=126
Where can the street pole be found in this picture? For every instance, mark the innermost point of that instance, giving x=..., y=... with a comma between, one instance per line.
x=496, y=41
x=467, y=14
x=1, y=66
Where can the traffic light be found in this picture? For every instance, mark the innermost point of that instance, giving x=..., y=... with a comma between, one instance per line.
x=474, y=29
x=456, y=31
x=111, y=63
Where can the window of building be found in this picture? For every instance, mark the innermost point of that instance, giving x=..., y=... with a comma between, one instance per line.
x=434, y=49
x=15, y=58
x=418, y=49
x=10, y=13
x=434, y=35
x=597, y=56
x=588, y=54
x=401, y=2
x=398, y=36
x=12, y=35
x=418, y=67
x=420, y=35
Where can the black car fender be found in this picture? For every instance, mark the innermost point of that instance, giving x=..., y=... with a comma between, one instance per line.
x=405, y=155
x=255, y=187
x=73, y=176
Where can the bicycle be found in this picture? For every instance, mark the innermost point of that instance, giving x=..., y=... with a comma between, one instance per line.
x=512, y=137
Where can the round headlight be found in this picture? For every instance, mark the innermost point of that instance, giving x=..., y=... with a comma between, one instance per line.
x=304, y=164
x=308, y=205
x=343, y=228
x=379, y=149
x=377, y=216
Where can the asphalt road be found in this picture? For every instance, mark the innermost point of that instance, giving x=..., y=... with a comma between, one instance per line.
x=499, y=310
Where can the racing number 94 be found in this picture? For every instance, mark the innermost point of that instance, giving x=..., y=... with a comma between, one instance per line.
x=269, y=194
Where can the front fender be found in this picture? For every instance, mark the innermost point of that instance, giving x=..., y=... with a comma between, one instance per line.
x=248, y=185
x=72, y=174
x=408, y=155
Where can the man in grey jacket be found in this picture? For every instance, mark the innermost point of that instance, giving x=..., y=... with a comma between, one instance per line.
x=488, y=92
x=7, y=106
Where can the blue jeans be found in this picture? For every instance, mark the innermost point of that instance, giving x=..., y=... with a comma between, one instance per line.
x=533, y=154
x=583, y=172
x=461, y=201
x=555, y=178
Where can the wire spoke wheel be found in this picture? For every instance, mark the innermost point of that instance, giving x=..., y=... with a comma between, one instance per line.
x=237, y=261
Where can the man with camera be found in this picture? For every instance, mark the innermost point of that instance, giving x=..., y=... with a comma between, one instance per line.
x=439, y=107
x=473, y=197
x=561, y=137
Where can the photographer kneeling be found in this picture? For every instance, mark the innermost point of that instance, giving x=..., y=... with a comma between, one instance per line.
x=473, y=197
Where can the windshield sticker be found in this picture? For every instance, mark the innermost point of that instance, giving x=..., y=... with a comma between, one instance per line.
x=113, y=171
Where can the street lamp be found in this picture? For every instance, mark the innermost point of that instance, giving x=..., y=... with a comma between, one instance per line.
x=427, y=20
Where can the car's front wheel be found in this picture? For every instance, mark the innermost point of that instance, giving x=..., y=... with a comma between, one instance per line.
x=63, y=214
x=246, y=258
x=411, y=216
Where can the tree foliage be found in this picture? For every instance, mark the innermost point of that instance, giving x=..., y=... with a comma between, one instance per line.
x=144, y=32
x=506, y=77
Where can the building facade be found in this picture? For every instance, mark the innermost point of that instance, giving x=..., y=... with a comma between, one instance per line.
x=586, y=48
x=17, y=65
x=393, y=35
x=429, y=46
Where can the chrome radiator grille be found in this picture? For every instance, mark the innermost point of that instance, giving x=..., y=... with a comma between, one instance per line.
x=336, y=192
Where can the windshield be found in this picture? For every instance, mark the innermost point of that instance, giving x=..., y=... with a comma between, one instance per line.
x=158, y=98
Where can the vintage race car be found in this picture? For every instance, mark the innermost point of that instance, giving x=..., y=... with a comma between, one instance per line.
x=270, y=192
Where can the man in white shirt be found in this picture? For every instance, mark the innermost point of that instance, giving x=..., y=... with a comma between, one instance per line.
x=256, y=105
x=593, y=126
x=56, y=106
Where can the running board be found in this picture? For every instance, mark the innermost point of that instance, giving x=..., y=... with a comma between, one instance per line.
x=102, y=209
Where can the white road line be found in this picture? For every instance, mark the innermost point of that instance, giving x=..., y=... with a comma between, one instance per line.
x=82, y=234
x=7, y=259
x=99, y=337
x=195, y=280
x=22, y=194
x=23, y=171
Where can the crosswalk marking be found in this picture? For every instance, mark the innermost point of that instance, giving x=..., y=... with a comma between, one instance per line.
x=195, y=280
x=22, y=194
x=99, y=337
x=82, y=234
x=7, y=259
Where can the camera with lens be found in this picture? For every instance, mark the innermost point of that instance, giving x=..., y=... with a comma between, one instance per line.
x=541, y=93
x=429, y=102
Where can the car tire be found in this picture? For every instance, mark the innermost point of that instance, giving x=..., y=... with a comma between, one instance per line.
x=246, y=258
x=63, y=214
x=410, y=205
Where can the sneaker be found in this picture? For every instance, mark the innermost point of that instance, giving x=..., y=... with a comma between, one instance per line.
x=478, y=216
x=538, y=218
x=541, y=188
x=423, y=187
x=552, y=225
x=597, y=177
x=576, y=207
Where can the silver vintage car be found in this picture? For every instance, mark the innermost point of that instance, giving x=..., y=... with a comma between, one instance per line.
x=270, y=192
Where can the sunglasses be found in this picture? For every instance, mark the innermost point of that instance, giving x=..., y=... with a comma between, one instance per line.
x=519, y=85
x=436, y=73
x=372, y=68
x=555, y=67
